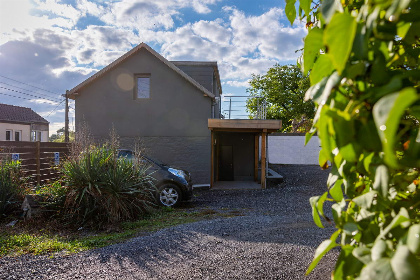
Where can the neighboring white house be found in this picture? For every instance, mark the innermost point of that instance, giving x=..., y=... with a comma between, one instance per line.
x=22, y=124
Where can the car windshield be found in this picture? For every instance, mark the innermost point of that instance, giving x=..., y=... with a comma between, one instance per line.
x=130, y=155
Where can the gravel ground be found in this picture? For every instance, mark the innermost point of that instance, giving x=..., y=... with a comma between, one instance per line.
x=274, y=238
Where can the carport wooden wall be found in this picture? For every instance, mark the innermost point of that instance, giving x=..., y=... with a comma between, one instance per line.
x=256, y=153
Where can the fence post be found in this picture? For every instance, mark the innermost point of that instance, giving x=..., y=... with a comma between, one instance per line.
x=38, y=162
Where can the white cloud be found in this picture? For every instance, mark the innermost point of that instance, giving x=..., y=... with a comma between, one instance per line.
x=47, y=43
x=234, y=83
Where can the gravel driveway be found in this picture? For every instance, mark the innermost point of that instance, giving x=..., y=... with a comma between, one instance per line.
x=274, y=238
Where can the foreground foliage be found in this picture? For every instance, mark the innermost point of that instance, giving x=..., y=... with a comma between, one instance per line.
x=283, y=89
x=363, y=60
x=12, y=185
x=104, y=189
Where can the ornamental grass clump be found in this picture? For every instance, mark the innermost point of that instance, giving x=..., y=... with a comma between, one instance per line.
x=12, y=185
x=104, y=189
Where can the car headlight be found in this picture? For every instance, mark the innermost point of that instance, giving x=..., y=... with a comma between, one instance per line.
x=177, y=172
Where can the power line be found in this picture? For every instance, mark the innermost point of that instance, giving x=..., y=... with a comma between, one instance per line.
x=29, y=94
x=29, y=85
x=30, y=91
x=55, y=108
x=20, y=97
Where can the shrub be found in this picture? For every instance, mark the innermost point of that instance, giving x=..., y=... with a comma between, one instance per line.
x=12, y=185
x=104, y=189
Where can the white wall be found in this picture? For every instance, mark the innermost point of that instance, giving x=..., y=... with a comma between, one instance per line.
x=26, y=131
x=290, y=149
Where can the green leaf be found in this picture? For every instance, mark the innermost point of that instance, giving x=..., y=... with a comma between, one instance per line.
x=313, y=43
x=336, y=191
x=381, y=180
x=350, y=229
x=365, y=200
x=290, y=10
x=347, y=264
x=320, y=204
x=405, y=265
x=329, y=7
x=308, y=137
x=387, y=114
x=322, y=68
x=315, y=214
x=306, y=6
x=322, y=249
x=363, y=254
x=380, y=269
x=401, y=219
x=338, y=37
x=378, y=250
x=413, y=239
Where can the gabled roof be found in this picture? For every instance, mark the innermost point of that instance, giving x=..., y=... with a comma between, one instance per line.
x=133, y=51
x=10, y=113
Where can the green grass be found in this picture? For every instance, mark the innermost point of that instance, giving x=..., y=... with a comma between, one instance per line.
x=39, y=242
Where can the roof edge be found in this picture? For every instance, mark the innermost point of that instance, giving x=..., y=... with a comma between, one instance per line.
x=72, y=93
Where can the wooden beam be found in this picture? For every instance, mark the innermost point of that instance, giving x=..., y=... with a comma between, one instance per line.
x=245, y=124
x=216, y=160
x=263, y=159
x=256, y=154
x=212, y=160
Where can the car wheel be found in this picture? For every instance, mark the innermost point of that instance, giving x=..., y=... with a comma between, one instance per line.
x=169, y=195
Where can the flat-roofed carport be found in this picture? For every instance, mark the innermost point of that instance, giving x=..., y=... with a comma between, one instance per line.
x=235, y=148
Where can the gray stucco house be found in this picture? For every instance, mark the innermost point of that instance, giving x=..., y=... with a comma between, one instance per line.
x=173, y=108
x=165, y=103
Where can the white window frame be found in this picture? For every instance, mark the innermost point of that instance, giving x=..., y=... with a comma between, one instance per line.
x=141, y=78
x=36, y=135
x=11, y=135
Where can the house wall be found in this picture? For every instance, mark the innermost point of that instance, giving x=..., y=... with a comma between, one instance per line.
x=285, y=148
x=25, y=128
x=172, y=124
x=206, y=77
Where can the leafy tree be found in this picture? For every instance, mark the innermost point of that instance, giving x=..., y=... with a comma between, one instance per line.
x=283, y=89
x=59, y=136
x=363, y=60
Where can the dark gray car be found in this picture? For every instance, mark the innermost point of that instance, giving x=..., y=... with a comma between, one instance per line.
x=173, y=185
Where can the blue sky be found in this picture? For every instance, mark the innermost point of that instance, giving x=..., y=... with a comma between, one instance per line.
x=54, y=45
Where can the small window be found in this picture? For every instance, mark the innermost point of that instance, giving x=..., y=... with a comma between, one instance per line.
x=142, y=87
x=18, y=135
x=36, y=135
x=9, y=135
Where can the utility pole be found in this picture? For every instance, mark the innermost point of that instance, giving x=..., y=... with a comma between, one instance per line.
x=66, y=121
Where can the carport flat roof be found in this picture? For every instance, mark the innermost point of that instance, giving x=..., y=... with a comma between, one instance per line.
x=244, y=125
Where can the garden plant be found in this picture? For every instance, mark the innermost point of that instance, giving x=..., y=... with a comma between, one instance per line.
x=12, y=185
x=363, y=62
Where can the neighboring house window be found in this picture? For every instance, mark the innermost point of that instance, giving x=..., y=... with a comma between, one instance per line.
x=36, y=135
x=142, y=86
x=9, y=135
x=18, y=135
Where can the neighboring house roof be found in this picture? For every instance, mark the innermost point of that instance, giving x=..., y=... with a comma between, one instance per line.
x=11, y=113
x=133, y=51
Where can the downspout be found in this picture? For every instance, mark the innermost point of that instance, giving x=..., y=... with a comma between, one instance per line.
x=212, y=108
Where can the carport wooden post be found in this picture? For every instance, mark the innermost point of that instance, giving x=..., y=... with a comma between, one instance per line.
x=212, y=160
x=256, y=154
x=263, y=157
